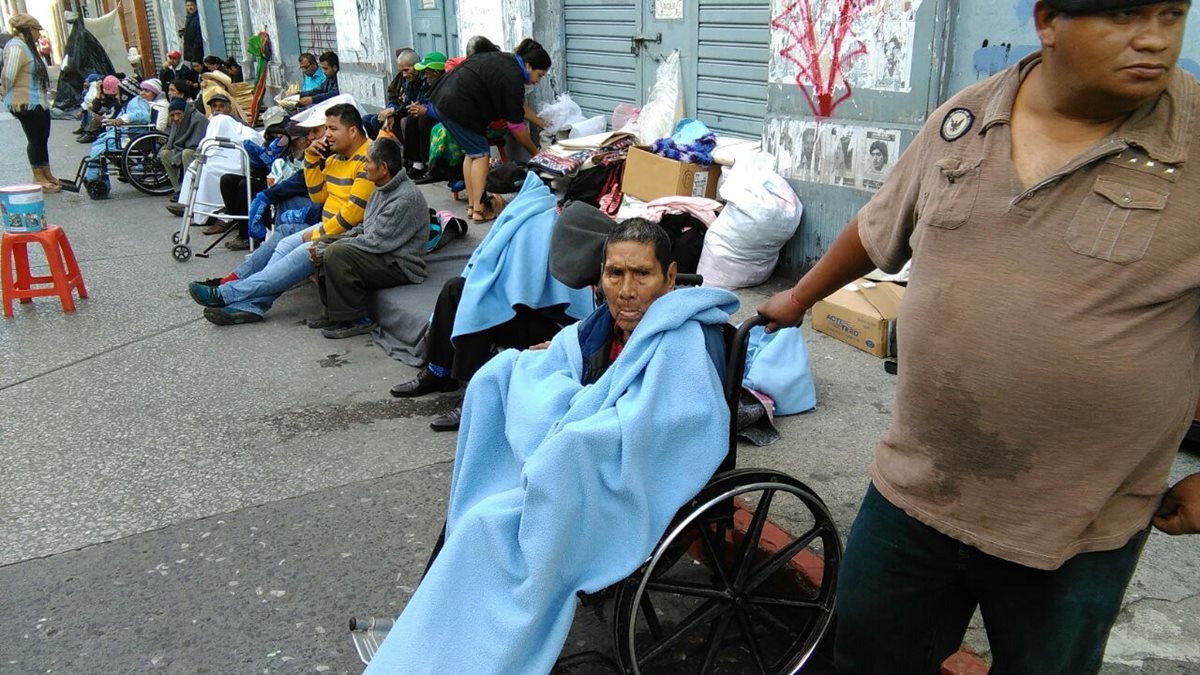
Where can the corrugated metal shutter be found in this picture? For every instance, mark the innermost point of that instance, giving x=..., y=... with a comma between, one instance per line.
x=601, y=70
x=314, y=20
x=731, y=70
x=156, y=39
x=231, y=29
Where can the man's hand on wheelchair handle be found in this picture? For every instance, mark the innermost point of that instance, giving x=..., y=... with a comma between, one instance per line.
x=1179, y=512
x=782, y=311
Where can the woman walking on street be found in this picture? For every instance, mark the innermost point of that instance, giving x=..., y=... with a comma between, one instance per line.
x=27, y=87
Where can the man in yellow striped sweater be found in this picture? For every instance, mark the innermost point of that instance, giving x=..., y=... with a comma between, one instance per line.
x=337, y=180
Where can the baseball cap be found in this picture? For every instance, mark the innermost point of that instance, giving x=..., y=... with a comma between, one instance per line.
x=174, y=54
x=433, y=61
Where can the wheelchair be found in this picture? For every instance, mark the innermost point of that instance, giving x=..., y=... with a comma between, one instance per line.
x=135, y=159
x=742, y=581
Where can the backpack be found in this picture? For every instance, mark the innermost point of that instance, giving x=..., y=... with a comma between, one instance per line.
x=444, y=227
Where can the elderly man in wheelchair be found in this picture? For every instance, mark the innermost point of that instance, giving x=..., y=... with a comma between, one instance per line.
x=573, y=458
x=143, y=114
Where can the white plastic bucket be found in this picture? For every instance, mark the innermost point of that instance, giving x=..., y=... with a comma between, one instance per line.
x=22, y=208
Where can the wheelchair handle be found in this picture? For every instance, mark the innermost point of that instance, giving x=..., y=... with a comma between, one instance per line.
x=736, y=368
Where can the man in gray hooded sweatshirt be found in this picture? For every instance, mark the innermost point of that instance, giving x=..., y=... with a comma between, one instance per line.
x=184, y=134
x=387, y=250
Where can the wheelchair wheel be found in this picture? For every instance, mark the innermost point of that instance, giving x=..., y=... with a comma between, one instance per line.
x=182, y=253
x=141, y=166
x=730, y=588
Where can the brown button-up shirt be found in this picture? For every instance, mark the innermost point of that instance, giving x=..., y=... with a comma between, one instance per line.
x=1049, y=336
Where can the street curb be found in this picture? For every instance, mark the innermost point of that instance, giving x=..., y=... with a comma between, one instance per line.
x=811, y=568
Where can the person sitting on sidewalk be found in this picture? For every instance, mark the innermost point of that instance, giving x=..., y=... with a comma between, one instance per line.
x=329, y=87
x=340, y=184
x=282, y=140
x=459, y=341
x=139, y=111
x=387, y=250
x=184, y=133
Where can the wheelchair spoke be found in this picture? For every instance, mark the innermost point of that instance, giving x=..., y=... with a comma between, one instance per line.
x=715, y=637
x=781, y=557
x=702, y=613
x=776, y=621
x=784, y=602
x=652, y=621
x=688, y=589
x=751, y=641
x=749, y=545
x=714, y=554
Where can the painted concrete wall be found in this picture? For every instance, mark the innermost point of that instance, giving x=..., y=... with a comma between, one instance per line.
x=365, y=49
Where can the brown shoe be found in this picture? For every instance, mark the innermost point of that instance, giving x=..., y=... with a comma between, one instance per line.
x=448, y=421
x=238, y=244
x=215, y=227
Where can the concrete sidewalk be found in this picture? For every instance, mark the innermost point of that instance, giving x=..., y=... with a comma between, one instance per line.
x=180, y=497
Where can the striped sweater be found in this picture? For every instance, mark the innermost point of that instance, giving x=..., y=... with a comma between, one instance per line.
x=342, y=188
x=22, y=90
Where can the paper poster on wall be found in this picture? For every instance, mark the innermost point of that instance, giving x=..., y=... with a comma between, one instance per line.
x=843, y=155
x=874, y=43
x=881, y=149
x=795, y=144
x=668, y=9
x=346, y=12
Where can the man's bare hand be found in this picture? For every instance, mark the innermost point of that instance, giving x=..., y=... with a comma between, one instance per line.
x=386, y=113
x=305, y=100
x=782, y=311
x=1179, y=512
x=540, y=346
x=314, y=256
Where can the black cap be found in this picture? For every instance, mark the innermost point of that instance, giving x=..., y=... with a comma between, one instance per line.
x=577, y=245
x=1095, y=6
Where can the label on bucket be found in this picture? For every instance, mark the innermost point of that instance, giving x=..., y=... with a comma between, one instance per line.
x=22, y=208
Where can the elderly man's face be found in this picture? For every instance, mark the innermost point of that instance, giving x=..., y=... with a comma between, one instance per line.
x=406, y=69
x=1126, y=54
x=218, y=107
x=632, y=279
x=316, y=133
x=176, y=116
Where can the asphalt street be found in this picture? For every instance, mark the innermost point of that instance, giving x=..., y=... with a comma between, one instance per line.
x=182, y=498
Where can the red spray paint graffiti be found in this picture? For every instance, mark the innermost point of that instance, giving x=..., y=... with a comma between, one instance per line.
x=822, y=43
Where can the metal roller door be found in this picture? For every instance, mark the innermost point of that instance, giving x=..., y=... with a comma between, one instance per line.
x=231, y=29
x=734, y=39
x=602, y=70
x=314, y=21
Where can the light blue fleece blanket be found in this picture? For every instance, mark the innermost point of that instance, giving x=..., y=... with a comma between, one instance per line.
x=511, y=266
x=560, y=488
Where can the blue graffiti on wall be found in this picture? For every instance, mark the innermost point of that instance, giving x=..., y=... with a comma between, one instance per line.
x=991, y=59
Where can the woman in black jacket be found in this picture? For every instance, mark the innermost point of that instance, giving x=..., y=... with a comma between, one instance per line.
x=486, y=87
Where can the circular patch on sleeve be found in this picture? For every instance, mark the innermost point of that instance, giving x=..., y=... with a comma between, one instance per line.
x=956, y=124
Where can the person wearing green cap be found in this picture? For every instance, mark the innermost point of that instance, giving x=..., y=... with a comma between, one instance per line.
x=417, y=124
x=1034, y=430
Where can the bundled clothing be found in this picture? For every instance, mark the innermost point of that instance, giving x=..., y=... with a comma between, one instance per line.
x=533, y=520
x=340, y=184
x=699, y=151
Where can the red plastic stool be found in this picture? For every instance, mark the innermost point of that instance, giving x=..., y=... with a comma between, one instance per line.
x=18, y=283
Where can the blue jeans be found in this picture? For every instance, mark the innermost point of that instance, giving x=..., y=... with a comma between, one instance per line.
x=105, y=142
x=286, y=264
x=906, y=593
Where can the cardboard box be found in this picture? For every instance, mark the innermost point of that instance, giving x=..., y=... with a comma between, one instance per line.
x=863, y=315
x=649, y=176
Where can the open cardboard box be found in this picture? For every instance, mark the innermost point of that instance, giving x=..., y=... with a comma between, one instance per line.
x=649, y=176
x=863, y=315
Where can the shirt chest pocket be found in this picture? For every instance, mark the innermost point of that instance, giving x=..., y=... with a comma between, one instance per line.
x=951, y=199
x=1116, y=221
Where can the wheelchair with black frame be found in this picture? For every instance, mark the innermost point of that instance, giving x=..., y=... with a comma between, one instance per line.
x=133, y=152
x=742, y=581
